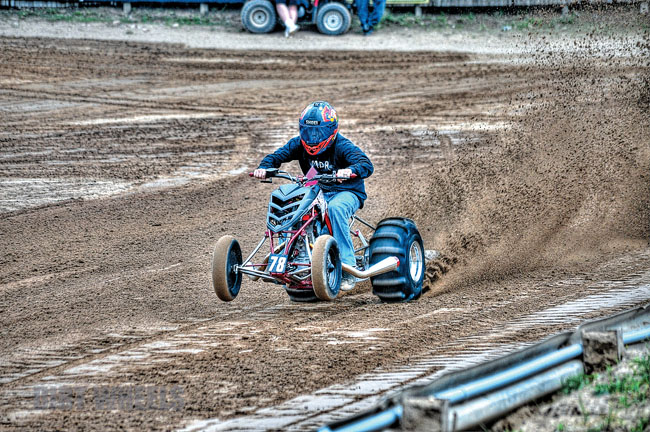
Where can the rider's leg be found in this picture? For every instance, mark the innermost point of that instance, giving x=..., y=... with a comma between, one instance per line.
x=341, y=206
x=362, y=13
x=293, y=13
x=283, y=12
x=377, y=12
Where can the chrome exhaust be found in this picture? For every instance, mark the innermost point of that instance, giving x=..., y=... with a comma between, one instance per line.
x=383, y=266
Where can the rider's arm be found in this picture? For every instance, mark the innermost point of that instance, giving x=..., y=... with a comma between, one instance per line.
x=288, y=152
x=356, y=160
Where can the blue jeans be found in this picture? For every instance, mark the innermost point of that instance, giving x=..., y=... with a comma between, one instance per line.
x=342, y=206
x=369, y=20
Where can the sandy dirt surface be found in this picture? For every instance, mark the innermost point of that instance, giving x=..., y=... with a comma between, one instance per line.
x=122, y=162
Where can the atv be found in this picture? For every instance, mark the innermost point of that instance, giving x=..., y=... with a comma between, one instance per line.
x=331, y=17
x=304, y=257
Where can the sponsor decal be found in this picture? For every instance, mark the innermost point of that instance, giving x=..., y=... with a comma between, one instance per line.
x=329, y=114
x=321, y=165
x=312, y=122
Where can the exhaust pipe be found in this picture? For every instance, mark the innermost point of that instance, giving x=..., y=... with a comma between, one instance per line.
x=383, y=266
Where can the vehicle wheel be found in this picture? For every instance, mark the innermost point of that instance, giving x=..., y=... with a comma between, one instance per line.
x=258, y=16
x=225, y=281
x=333, y=19
x=398, y=237
x=301, y=295
x=326, y=268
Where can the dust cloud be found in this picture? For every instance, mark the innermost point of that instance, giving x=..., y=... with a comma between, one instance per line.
x=567, y=184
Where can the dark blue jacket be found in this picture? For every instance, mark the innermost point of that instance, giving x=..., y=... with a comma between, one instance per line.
x=342, y=153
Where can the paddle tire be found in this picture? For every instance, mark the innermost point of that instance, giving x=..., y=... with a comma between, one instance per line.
x=333, y=19
x=258, y=16
x=225, y=280
x=326, y=268
x=398, y=237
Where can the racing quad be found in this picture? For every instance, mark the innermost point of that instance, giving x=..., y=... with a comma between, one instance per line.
x=304, y=257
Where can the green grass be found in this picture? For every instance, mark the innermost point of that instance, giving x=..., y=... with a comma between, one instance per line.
x=641, y=425
x=401, y=19
x=631, y=389
x=577, y=382
x=64, y=15
x=624, y=390
x=83, y=15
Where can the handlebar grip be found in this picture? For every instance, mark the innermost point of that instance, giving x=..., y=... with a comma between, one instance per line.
x=251, y=175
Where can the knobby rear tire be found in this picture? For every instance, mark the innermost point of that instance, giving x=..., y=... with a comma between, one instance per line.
x=398, y=237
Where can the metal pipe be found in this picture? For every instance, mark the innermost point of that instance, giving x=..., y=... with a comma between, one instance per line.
x=495, y=404
x=365, y=223
x=255, y=273
x=504, y=400
x=510, y=375
x=637, y=335
x=254, y=252
x=383, y=266
x=376, y=422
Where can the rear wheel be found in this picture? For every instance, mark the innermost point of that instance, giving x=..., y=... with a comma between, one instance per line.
x=258, y=16
x=333, y=19
x=225, y=280
x=398, y=237
x=326, y=268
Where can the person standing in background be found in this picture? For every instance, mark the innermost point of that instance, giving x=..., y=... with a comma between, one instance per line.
x=288, y=11
x=370, y=19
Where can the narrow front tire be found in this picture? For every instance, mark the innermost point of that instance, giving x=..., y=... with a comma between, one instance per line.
x=326, y=268
x=226, y=281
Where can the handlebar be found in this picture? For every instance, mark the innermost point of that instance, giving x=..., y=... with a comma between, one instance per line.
x=303, y=179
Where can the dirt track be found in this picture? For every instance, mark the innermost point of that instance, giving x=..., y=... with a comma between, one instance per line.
x=531, y=177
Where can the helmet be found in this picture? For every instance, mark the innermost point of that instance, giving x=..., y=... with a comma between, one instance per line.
x=319, y=125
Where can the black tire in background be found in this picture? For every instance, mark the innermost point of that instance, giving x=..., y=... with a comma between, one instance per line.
x=258, y=16
x=301, y=295
x=333, y=19
x=398, y=237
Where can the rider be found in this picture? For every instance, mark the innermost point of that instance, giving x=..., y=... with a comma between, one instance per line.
x=320, y=145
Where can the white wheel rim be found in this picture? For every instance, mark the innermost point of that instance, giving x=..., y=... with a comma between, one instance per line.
x=333, y=21
x=415, y=261
x=259, y=18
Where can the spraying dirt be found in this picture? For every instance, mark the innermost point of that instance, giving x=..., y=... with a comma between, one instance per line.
x=565, y=184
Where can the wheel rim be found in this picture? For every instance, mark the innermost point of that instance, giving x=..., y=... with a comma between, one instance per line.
x=259, y=17
x=415, y=261
x=332, y=275
x=333, y=21
x=234, y=258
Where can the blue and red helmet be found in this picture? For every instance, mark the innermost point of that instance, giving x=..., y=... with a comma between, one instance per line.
x=318, y=125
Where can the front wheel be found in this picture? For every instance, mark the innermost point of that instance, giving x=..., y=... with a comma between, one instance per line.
x=333, y=19
x=326, y=268
x=226, y=281
x=398, y=237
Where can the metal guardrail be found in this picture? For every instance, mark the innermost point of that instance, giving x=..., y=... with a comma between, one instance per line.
x=473, y=396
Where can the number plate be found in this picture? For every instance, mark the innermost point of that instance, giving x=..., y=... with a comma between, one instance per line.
x=277, y=264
